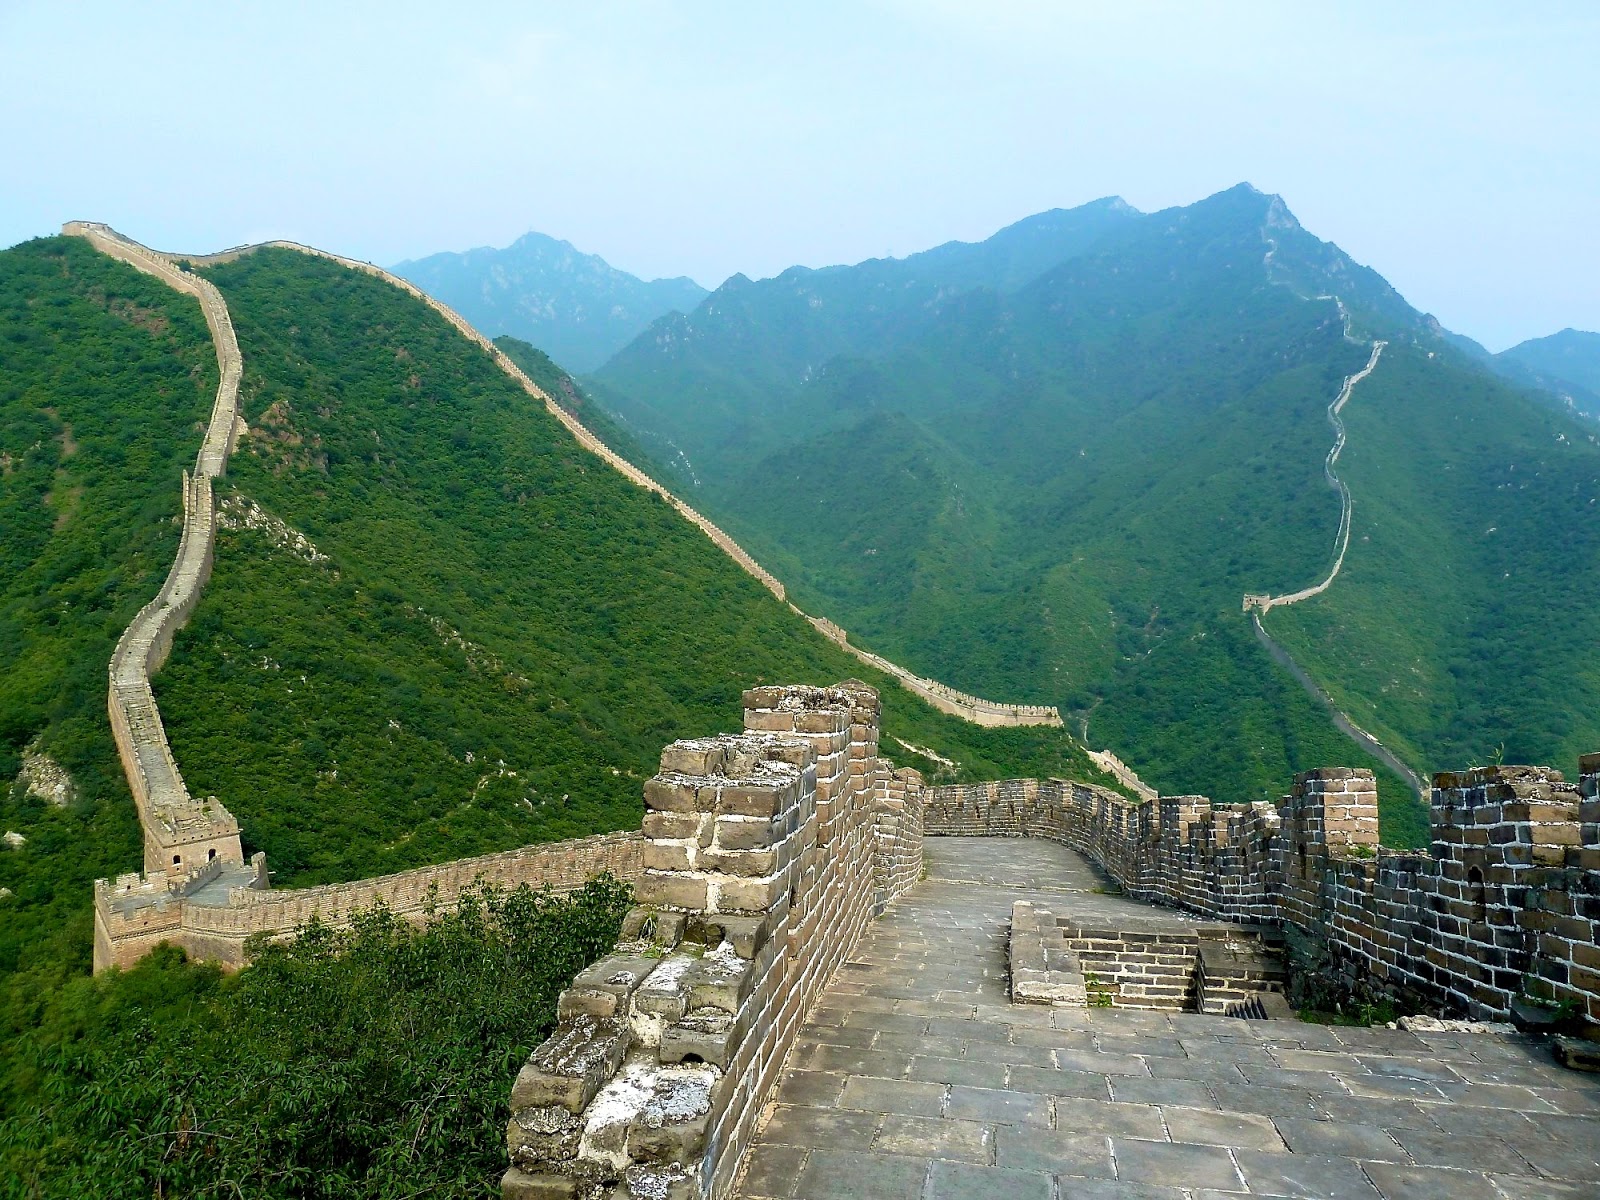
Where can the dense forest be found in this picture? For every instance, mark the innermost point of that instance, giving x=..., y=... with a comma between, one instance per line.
x=485, y=642
x=106, y=379
x=372, y=1062
x=1073, y=449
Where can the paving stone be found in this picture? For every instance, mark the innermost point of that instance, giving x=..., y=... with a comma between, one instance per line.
x=938, y=1069
x=773, y=1170
x=1212, y=1050
x=1162, y=1047
x=1303, y=1175
x=1207, y=1126
x=935, y=1137
x=820, y=1088
x=1461, y=1121
x=853, y=1062
x=1317, y=1060
x=887, y=1022
x=1498, y=1096
x=1125, y=1120
x=1367, y=1110
x=1392, y=1087
x=1056, y=1039
x=849, y=1175
x=1174, y=1164
x=1577, y=1131
x=893, y=1096
x=1318, y=1083
x=1447, y=1150
x=845, y=1035
x=1397, y=1181
x=1115, y=1189
x=1373, y=1040
x=919, y=1043
x=1344, y=1139
x=1106, y=1064
x=1049, y=1081
x=1205, y=1070
x=1525, y=1187
x=1133, y=1090
x=1002, y=1052
x=1270, y=1102
x=1054, y=1153
x=959, y=1181
x=987, y=1031
x=1409, y=1068
x=998, y=1106
x=832, y=1128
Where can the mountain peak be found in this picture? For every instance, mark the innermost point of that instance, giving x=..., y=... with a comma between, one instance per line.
x=576, y=307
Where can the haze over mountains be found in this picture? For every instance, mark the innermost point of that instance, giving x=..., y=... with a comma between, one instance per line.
x=1565, y=363
x=1068, y=451
x=575, y=307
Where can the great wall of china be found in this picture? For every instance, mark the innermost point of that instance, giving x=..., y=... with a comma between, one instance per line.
x=767, y=854
x=196, y=887
x=764, y=857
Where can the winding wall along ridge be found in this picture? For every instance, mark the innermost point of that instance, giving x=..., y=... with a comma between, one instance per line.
x=1265, y=604
x=178, y=828
x=947, y=699
x=1342, y=539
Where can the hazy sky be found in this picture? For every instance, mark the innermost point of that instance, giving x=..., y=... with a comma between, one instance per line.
x=1455, y=146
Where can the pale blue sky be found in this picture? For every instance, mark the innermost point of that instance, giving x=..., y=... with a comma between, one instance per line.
x=1453, y=146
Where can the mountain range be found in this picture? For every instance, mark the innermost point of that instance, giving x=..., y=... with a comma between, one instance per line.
x=575, y=307
x=1069, y=452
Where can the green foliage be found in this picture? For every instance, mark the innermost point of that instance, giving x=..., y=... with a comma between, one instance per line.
x=1061, y=485
x=503, y=633
x=1461, y=628
x=105, y=377
x=372, y=1062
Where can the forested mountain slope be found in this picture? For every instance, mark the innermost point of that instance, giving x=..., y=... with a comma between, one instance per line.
x=574, y=306
x=436, y=625
x=106, y=379
x=1063, y=484
x=1566, y=363
x=487, y=634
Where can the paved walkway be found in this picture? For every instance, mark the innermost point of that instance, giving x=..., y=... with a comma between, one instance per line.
x=917, y=1079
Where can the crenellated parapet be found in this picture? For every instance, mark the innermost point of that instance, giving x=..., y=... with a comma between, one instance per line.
x=1506, y=904
x=766, y=853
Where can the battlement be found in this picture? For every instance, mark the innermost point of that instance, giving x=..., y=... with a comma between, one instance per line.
x=1506, y=904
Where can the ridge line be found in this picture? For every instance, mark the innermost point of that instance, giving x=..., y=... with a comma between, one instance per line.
x=973, y=709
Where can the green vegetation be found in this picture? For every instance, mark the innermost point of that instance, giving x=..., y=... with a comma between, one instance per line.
x=106, y=380
x=372, y=1063
x=502, y=634
x=1063, y=482
x=1462, y=625
x=534, y=627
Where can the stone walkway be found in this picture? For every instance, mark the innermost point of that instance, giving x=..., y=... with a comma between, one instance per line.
x=917, y=1079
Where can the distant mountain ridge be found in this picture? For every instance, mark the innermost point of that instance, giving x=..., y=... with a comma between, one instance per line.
x=1567, y=363
x=1072, y=448
x=575, y=307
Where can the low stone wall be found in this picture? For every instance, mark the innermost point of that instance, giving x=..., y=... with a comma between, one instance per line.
x=133, y=914
x=897, y=834
x=765, y=855
x=1507, y=903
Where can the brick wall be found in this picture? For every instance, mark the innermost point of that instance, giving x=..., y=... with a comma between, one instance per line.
x=133, y=914
x=1507, y=902
x=766, y=854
